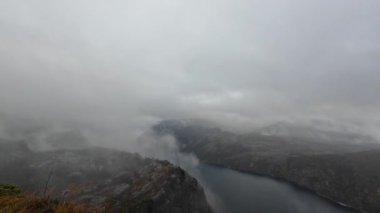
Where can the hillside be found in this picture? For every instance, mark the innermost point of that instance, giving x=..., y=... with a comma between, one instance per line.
x=114, y=181
x=347, y=173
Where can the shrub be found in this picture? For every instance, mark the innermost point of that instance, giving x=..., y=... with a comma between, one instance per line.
x=7, y=189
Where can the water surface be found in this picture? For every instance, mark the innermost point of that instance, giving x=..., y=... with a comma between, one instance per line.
x=238, y=192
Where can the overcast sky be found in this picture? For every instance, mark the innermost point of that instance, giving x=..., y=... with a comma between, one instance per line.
x=132, y=63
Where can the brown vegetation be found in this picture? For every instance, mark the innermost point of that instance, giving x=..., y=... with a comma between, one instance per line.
x=12, y=200
x=34, y=204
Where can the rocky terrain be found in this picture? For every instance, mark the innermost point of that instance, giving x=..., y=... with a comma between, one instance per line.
x=332, y=165
x=101, y=178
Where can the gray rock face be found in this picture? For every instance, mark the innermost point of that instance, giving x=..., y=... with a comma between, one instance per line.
x=347, y=173
x=103, y=178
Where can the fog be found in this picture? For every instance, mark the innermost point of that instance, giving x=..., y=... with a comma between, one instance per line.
x=114, y=68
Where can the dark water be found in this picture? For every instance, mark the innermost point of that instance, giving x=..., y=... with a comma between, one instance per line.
x=242, y=193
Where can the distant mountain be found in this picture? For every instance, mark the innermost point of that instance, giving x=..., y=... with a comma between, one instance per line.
x=67, y=140
x=317, y=133
x=340, y=166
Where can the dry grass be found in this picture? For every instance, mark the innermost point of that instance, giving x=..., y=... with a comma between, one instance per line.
x=34, y=204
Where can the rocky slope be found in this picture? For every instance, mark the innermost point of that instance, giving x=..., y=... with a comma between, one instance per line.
x=102, y=178
x=347, y=173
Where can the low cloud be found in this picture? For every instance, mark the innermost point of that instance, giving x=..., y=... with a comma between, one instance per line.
x=114, y=68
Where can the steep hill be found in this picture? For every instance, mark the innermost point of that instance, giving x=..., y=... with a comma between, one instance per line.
x=102, y=178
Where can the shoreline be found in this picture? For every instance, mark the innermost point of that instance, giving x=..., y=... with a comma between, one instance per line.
x=285, y=181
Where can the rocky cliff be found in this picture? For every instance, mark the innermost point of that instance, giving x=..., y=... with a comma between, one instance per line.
x=102, y=178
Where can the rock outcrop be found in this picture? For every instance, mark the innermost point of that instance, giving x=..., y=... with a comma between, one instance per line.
x=112, y=180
